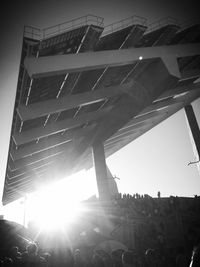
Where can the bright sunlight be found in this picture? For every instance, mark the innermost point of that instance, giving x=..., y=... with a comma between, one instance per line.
x=54, y=206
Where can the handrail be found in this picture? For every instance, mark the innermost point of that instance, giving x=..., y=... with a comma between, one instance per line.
x=119, y=25
x=40, y=34
x=72, y=24
x=32, y=32
x=161, y=23
x=189, y=23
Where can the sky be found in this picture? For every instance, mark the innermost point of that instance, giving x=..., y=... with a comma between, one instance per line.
x=157, y=161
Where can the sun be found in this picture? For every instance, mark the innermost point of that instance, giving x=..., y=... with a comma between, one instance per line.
x=59, y=204
x=54, y=206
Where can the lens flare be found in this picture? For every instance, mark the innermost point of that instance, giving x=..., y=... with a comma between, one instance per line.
x=50, y=211
x=53, y=207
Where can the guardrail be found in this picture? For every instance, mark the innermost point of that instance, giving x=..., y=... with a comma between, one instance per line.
x=39, y=34
x=69, y=25
x=161, y=23
x=32, y=32
x=35, y=33
x=119, y=25
x=189, y=23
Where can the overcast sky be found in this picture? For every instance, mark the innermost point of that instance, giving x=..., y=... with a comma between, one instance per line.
x=158, y=159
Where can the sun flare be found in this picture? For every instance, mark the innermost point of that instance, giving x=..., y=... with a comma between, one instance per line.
x=51, y=210
x=54, y=206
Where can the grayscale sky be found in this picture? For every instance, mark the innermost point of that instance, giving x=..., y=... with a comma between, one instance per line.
x=158, y=159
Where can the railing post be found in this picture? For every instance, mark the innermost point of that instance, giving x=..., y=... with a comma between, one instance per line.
x=194, y=127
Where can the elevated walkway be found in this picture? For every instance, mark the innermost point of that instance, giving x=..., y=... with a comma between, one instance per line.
x=81, y=84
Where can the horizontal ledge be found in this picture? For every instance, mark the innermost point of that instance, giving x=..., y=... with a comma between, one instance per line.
x=61, y=64
x=51, y=106
x=178, y=90
x=31, y=160
x=47, y=144
x=181, y=102
x=116, y=144
x=33, y=134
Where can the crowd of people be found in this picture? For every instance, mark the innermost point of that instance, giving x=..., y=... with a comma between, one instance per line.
x=119, y=258
x=145, y=205
x=154, y=253
x=29, y=257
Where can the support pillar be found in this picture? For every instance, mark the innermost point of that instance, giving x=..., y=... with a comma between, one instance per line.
x=112, y=184
x=101, y=171
x=193, y=127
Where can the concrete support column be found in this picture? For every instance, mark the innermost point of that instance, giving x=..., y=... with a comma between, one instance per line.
x=101, y=171
x=193, y=127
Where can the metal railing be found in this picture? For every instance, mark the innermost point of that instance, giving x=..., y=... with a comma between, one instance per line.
x=119, y=25
x=32, y=32
x=189, y=23
x=39, y=34
x=161, y=23
x=72, y=24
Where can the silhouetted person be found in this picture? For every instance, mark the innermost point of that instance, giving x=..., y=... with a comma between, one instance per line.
x=151, y=258
x=97, y=261
x=128, y=259
x=16, y=256
x=31, y=258
x=8, y=262
x=116, y=256
x=78, y=261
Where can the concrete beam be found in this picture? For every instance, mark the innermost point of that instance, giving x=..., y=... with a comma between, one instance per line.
x=61, y=64
x=187, y=74
x=47, y=144
x=152, y=114
x=194, y=128
x=38, y=147
x=21, y=173
x=197, y=80
x=171, y=64
x=178, y=90
x=20, y=163
x=115, y=145
x=33, y=134
x=155, y=108
x=168, y=102
x=160, y=115
x=40, y=109
x=101, y=171
x=126, y=133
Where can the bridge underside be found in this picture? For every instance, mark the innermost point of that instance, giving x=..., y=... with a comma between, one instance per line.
x=87, y=90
